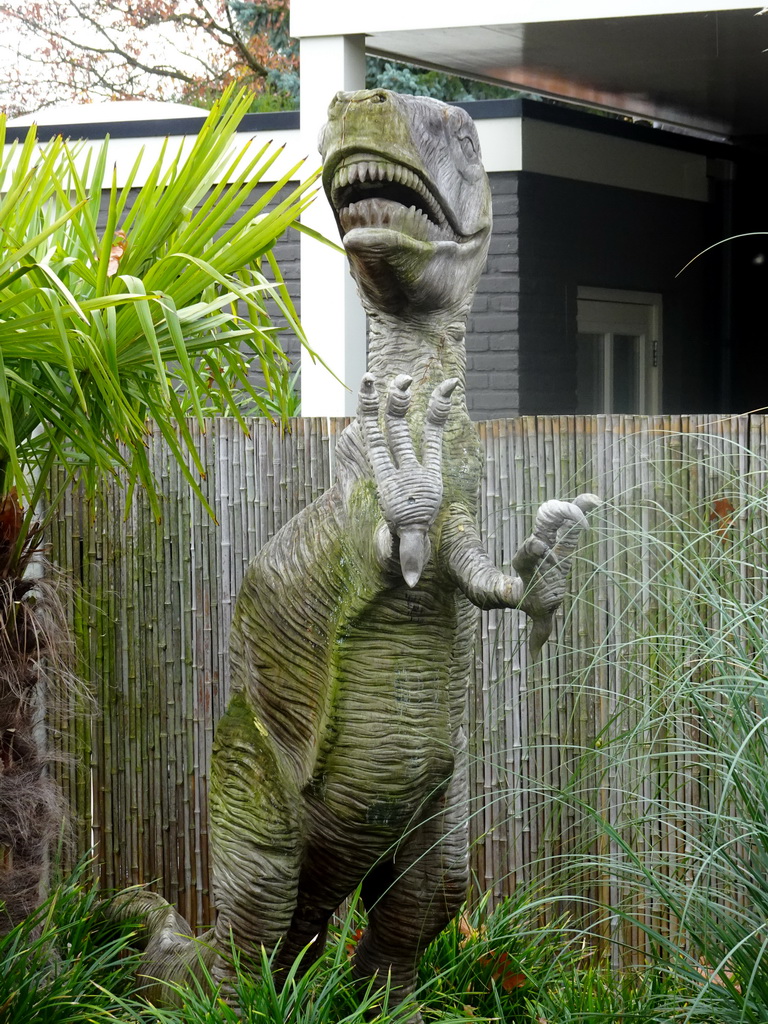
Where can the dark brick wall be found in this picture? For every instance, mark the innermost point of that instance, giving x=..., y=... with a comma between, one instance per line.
x=492, y=331
x=574, y=233
x=747, y=260
x=286, y=252
x=288, y=260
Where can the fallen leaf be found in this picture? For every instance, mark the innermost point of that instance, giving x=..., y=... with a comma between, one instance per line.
x=509, y=982
x=503, y=971
x=116, y=253
x=716, y=979
x=722, y=515
x=353, y=940
x=467, y=930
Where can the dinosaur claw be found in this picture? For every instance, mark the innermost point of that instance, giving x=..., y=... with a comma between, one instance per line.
x=440, y=402
x=399, y=395
x=587, y=502
x=414, y=553
x=367, y=399
x=541, y=627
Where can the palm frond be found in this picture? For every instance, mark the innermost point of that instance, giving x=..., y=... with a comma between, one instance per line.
x=103, y=328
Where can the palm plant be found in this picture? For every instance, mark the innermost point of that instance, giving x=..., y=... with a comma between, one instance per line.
x=117, y=305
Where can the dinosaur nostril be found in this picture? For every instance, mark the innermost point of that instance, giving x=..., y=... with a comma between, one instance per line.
x=371, y=96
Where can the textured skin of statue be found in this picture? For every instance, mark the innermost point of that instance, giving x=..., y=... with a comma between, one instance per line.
x=341, y=759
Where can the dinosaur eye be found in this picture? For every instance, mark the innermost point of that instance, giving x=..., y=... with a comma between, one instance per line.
x=467, y=147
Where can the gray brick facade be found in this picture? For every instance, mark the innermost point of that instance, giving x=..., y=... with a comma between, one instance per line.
x=493, y=329
x=577, y=233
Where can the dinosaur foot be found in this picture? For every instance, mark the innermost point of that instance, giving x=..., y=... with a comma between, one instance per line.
x=171, y=954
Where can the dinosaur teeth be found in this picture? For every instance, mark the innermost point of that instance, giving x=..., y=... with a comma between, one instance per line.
x=383, y=213
x=372, y=171
x=406, y=177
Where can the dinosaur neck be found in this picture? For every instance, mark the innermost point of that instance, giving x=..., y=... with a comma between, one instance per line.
x=429, y=349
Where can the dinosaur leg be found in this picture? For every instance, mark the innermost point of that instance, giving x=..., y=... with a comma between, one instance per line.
x=316, y=900
x=255, y=842
x=255, y=837
x=411, y=898
x=330, y=872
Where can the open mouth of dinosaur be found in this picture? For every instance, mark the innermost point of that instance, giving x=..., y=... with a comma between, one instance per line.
x=370, y=192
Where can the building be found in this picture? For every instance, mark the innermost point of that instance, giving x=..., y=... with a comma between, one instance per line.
x=599, y=205
x=582, y=308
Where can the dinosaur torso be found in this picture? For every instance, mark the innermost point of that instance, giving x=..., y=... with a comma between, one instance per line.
x=358, y=680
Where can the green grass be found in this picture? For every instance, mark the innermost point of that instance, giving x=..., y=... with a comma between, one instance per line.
x=69, y=963
x=490, y=964
x=671, y=798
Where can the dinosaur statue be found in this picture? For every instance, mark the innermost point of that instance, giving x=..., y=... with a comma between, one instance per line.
x=341, y=758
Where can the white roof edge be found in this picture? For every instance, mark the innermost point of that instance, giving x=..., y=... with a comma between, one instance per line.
x=508, y=144
x=114, y=111
x=365, y=17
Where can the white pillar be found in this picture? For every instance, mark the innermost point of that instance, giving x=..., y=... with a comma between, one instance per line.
x=331, y=314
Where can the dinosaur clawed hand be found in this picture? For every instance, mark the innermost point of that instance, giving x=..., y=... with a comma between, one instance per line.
x=410, y=491
x=543, y=561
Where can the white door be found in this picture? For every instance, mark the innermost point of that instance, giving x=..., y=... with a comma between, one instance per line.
x=618, y=351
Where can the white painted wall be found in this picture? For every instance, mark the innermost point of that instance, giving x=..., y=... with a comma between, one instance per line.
x=124, y=152
x=608, y=160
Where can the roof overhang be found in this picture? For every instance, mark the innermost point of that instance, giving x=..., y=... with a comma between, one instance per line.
x=698, y=65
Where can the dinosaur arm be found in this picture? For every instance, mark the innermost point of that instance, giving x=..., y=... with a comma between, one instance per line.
x=542, y=563
x=470, y=568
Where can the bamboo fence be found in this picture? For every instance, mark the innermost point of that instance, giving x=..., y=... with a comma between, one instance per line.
x=152, y=603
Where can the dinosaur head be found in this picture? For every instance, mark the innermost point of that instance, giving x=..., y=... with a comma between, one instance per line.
x=411, y=198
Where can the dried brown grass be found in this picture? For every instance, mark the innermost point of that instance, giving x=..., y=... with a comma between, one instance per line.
x=36, y=657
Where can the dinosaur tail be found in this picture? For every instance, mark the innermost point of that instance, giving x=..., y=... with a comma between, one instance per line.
x=172, y=956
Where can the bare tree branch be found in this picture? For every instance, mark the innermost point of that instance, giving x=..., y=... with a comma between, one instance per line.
x=149, y=49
